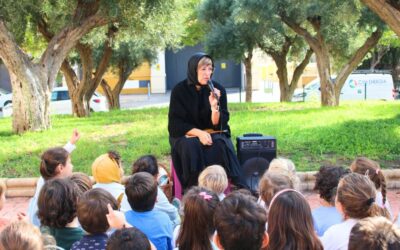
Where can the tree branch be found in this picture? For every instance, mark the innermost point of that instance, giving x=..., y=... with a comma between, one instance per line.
x=299, y=30
x=356, y=59
x=60, y=45
x=387, y=12
x=11, y=54
x=299, y=70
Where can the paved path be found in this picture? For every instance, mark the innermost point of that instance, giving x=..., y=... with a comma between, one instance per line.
x=15, y=205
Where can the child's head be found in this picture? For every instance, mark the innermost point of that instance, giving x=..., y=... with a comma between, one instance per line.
x=57, y=203
x=214, y=178
x=82, y=182
x=290, y=223
x=272, y=183
x=374, y=233
x=128, y=239
x=107, y=168
x=92, y=210
x=146, y=163
x=3, y=190
x=197, y=226
x=21, y=235
x=327, y=180
x=240, y=223
x=55, y=162
x=365, y=166
x=356, y=197
x=141, y=191
x=285, y=166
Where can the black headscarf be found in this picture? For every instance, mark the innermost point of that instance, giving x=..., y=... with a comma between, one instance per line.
x=192, y=67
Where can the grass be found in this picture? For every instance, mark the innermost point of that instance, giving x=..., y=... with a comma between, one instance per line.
x=309, y=135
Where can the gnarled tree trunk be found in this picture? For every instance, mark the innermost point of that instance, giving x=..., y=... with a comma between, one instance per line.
x=330, y=92
x=112, y=95
x=31, y=81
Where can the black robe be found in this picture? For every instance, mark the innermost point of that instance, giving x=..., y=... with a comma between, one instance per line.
x=190, y=108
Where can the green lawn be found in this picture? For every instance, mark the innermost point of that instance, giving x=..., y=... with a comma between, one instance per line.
x=306, y=133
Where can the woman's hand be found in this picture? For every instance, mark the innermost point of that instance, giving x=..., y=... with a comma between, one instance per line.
x=214, y=101
x=205, y=138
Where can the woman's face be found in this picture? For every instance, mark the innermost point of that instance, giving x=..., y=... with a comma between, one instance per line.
x=204, y=73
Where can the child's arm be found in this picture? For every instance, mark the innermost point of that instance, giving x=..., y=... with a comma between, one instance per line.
x=70, y=146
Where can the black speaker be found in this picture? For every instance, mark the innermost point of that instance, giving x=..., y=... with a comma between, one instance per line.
x=255, y=152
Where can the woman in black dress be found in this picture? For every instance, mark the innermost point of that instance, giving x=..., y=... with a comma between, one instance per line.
x=198, y=125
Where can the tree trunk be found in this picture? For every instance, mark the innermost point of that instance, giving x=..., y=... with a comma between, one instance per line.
x=317, y=44
x=298, y=72
x=326, y=84
x=29, y=110
x=281, y=64
x=387, y=12
x=112, y=96
x=249, y=80
x=354, y=61
x=32, y=83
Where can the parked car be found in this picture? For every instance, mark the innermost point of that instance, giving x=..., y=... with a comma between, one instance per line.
x=61, y=102
x=370, y=86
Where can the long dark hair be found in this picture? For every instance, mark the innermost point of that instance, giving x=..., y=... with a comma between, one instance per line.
x=290, y=224
x=197, y=226
x=50, y=161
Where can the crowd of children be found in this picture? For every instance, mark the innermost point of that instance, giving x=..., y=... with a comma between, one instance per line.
x=68, y=212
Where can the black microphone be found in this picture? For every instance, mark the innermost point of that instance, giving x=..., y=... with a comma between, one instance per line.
x=211, y=86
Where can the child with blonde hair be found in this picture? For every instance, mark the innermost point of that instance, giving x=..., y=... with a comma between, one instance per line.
x=355, y=200
x=214, y=178
x=365, y=166
x=270, y=184
x=21, y=235
x=285, y=166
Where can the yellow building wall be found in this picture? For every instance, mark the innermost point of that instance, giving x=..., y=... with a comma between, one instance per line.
x=142, y=73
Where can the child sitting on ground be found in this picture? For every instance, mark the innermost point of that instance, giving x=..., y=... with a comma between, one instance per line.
x=148, y=163
x=128, y=239
x=270, y=184
x=21, y=235
x=214, y=178
x=376, y=233
x=107, y=171
x=326, y=182
x=286, y=167
x=290, y=223
x=240, y=223
x=57, y=211
x=355, y=200
x=141, y=190
x=197, y=229
x=55, y=163
x=92, y=210
x=365, y=166
x=82, y=182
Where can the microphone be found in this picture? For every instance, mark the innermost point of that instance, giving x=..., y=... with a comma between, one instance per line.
x=211, y=86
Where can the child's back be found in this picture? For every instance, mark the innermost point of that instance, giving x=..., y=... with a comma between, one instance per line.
x=141, y=191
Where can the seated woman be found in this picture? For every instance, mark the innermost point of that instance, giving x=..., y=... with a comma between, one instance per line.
x=198, y=124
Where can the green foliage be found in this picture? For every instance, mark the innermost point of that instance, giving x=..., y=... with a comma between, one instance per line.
x=229, y=36
x=309, y=135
